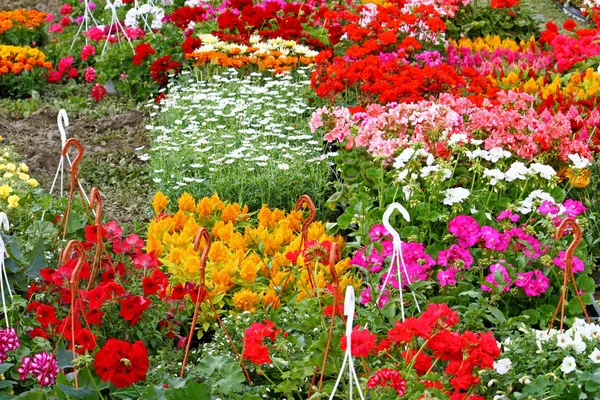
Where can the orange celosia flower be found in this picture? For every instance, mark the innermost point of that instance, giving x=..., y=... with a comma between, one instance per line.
x=246, y=300
x=186, y=202
x=159, y=203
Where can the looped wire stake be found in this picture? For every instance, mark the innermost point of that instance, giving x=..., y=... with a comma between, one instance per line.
x=349, y=304
x=74, y=247
x=202, y=296
x=306, y=200
x=4, y=224
x=568, y=274
x=114, y=21
x=96, y=205
x=397, y=257
x=75, y=184
x=62, y=121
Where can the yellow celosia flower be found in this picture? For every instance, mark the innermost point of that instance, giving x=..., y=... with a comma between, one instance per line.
x=246, y=300
x=271, y=299
x=218, y=253
x=249, y=267
x=231, y=212
x=510, y=79
x=159, y=203
x=13, y=201
x=186, y=202
x=5, y=191
x=531, y=86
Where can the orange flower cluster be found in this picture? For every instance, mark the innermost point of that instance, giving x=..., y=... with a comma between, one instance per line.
x=271, y=61
x=252, y=262
x=15, y=59
x=21, y=19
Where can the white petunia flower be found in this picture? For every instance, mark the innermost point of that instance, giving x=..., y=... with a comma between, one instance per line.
x=502, y=366
x=595, y=356
x=564, y=340
x=568, y=365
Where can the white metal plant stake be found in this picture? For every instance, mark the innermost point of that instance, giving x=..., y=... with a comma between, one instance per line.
x=397, y=258
x=63, y=122
x=3, y=275
x=114, y=20
x=85, y=22
x=349, y=302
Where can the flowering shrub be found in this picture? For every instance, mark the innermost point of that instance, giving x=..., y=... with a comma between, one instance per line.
x=248, y=141
x=252, y=263
x=571, y=363
x=21, y=70
x=22, y=27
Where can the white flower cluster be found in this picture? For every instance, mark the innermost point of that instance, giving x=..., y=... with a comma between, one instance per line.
x=519, y=171
x=252, y=123
x=430, y=168
x=143, y=12
x=285, y=47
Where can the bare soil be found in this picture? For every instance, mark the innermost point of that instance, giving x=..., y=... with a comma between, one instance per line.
x=110, y=161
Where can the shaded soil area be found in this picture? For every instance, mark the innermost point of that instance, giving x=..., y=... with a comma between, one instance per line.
x=110, y=161
x=41, y=5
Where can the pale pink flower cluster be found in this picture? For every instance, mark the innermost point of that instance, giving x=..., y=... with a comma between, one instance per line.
x=514, y=125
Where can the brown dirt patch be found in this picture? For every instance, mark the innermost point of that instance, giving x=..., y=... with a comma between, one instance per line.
x=110, y=161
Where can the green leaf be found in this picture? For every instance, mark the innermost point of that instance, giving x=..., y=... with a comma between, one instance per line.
x=38, y=260
x=34, y=394
x=497, y=314
x=5, y=367
x=192, y=390
x=64, y=358
x=155, y=393
x=82, y=393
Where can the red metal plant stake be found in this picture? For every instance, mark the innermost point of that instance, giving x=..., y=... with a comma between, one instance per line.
x=74, y=184
x=569, y=221
x=203, y=295
x=96, y=201
x=74, y=247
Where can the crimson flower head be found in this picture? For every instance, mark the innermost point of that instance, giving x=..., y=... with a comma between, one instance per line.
x=254, y=349
x=98, y=92
x=362, y=341
x=132, y=308
x=46, y=315
x=317, y=251
x=142, y=51
x=388, y=378
x=122, y=363
x=569, y=25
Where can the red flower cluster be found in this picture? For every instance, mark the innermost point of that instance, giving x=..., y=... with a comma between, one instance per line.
x=254, y=349
x=363, y=342
x=184, y=15
x=142, y=51
x=272, y=21
x=505, y=3
x=122, y=363
x=159, y=70
x=388, y=377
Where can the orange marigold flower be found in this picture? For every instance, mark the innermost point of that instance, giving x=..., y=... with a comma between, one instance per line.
x=246, y=300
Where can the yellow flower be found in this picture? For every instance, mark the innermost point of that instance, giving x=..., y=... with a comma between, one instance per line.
x=249, y=267
x=32, y=183
x=159, y=203
x=23, y=177
x=510, y=79
x=5, y=191
x=13, y=201
x=10, y=167
x=218, y=253
x=23, y=167
x=271, y=299
x=186, y=202
x=246, y=300
x=231, y=212
x=221, y=278
x=531, y=86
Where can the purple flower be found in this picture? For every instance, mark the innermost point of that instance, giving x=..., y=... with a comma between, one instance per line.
x=548, y=207
x=453, y=254
x=534, y=283
x=447, y=277
x=573, y=208
x=466, y=229
x=494, y=240
x=578, y=265
x=491, y=278
x=79, y=19
x=91, y=6
x=507, y=214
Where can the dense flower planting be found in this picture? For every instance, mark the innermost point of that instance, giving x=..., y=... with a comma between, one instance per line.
x=478, y=124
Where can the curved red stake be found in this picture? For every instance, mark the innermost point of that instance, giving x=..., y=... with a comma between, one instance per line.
x=306, y=200
x=74, y=184
x=334, y=257
x=568, y=274
x=203, y=295
x=96, y=201
x=74, y=247
x=202, y=234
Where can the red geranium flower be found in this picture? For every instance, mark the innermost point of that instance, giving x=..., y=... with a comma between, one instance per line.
x=362, y=341
x=122, y=363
